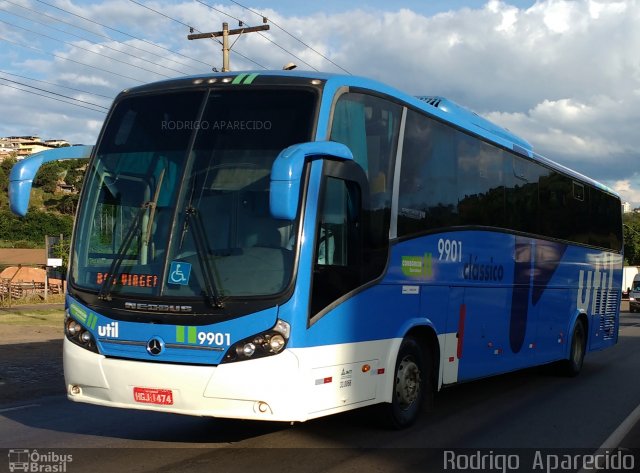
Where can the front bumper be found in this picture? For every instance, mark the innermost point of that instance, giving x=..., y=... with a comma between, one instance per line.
x=267, y=388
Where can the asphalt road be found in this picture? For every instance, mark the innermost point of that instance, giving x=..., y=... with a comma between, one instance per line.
x=532, y=409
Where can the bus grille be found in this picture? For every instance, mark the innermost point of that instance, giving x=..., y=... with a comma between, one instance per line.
x=606, y=306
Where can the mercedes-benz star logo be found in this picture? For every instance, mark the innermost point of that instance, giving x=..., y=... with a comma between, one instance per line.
x=155, y=346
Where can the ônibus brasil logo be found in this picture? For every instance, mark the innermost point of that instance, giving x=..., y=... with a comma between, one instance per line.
x=22, y=459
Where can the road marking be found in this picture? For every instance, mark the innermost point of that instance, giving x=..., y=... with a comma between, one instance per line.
x=17, y=408
x=618, y=435
x=623, y=429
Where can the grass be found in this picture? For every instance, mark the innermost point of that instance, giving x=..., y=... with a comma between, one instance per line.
x=34, y=317
x=31, y=315
x=33, y=299
x=48, y=318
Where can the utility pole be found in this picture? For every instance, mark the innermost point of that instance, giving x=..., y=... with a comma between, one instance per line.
x=225, y=33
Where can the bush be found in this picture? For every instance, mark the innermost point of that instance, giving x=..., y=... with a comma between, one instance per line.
x=34, y=226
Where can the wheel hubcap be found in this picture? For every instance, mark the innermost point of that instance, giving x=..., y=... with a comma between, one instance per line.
x=407, y=382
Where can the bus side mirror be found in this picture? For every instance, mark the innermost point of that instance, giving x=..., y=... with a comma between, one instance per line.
x=23, y=173
x=286, y=173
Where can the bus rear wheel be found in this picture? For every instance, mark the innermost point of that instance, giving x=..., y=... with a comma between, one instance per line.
x=411, y=386
x=572, y=366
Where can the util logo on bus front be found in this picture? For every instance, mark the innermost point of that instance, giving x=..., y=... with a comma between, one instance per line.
x=109, y=330
x=593, y=285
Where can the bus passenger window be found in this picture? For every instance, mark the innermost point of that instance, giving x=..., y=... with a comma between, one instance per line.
x=428, y=178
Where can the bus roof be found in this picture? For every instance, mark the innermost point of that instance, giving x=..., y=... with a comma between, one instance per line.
x=439, y=107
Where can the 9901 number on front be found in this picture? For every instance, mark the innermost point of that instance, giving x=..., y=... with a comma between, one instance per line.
x=214, y=338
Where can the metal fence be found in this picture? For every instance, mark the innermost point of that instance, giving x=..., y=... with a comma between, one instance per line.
x=17, y=288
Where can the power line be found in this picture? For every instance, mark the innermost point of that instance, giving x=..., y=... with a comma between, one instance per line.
x=57, y=85
x=294, y=37
x=89, y=41
x=106, y=36
x=69, y=59
x=194, y=29
x=52, y=98
x=83, y=48
x=160, y=13
x=265, y=37
x=53, y=93
x=123, y=32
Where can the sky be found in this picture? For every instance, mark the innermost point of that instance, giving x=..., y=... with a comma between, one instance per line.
x=564, y=75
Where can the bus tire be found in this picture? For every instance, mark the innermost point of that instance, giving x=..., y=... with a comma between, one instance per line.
x=571, y=367
x=411, y=386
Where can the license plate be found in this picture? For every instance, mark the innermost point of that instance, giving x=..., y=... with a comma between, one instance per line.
x=163, y=397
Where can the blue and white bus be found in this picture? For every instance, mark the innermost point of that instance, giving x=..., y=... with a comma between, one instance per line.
x=287, y=245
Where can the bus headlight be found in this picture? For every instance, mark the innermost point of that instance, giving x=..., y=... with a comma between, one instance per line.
x=77, y=334
x=263, y=344
x=247, y=350
x=277, y=343
x=73, y=327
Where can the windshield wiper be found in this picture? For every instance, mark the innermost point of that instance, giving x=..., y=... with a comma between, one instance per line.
x=210, y=274
x=105, y=290
x=107, y=286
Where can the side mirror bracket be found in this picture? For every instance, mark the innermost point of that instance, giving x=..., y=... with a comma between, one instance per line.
x=286, y=173
x=24, y=171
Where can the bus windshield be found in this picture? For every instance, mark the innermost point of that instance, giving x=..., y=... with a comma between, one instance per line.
x=177, y=196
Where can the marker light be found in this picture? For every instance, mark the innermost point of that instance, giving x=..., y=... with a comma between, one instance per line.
x=270, y=342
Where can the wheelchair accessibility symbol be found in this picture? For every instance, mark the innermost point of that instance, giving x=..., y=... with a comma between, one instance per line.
x=179, y=273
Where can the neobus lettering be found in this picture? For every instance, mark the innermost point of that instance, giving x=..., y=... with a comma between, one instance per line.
x=158, y=307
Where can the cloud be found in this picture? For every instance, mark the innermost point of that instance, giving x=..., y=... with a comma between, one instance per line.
x=629, y=189
x=564, y=75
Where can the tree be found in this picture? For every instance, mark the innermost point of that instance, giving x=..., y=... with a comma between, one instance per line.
x=34, y=226
x=631, y=222
x=61, y=250
x=48, y=176
x=7, y=163
x=66, y=204
x=75, y=170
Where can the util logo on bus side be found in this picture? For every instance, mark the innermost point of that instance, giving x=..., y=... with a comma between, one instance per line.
x=593, y=285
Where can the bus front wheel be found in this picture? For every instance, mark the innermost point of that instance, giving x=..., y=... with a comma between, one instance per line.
x=411, y=386
x=572, y=366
